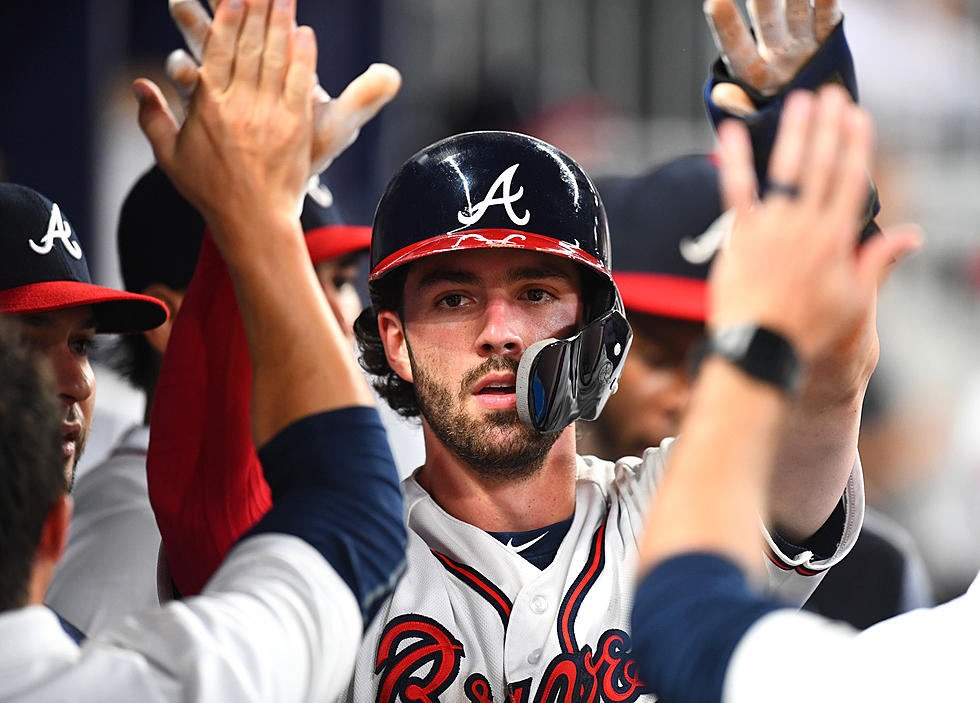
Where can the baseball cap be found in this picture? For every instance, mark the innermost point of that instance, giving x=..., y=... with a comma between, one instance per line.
x=159, y=234
x=327, y=235
x=666, y=227
x=44, y=268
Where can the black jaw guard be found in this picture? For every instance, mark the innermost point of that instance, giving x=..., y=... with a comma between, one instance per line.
x=563, y=380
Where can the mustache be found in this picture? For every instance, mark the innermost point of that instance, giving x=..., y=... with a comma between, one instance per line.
x=493, y=363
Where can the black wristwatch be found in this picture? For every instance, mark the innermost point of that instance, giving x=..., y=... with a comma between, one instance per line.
x=759, y=352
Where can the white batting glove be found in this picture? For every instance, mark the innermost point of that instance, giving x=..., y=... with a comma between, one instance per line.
x=336, y=123
x=787, y=34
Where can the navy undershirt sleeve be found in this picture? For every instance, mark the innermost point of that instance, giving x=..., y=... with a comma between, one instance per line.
x=689, y=614
x=334, y=485
x=76, y=635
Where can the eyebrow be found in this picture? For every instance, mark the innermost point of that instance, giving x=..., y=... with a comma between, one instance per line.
x=439, y=276
x=525, y=273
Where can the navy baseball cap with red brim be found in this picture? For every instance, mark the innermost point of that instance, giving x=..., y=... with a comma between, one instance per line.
x=43, y=268
x=327, y=235
x=666, y=227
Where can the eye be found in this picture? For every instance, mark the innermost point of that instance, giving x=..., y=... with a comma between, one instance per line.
x=341, y=280
x=452, y=300
x=538, y=295
x=81, y=346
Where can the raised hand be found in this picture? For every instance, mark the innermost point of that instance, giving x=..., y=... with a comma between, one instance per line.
x=336, y=122
x=792, y=262
x=249, y=127
x=787, y=34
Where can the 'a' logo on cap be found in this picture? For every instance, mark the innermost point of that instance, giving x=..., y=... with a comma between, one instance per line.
x=506, y=199
x=57, y=229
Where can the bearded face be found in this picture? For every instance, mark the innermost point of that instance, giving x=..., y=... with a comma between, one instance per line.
x=493, y=442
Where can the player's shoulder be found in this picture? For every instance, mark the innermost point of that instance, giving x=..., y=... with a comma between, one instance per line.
x=606, y=474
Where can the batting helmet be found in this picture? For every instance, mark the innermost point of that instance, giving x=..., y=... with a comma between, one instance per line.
x=508, y=190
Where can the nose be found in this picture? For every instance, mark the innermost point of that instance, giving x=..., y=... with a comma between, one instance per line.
x=499, y=335
x=74, y=378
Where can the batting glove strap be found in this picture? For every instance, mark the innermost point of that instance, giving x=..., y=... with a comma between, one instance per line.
x=334, y=485
x=832, y=63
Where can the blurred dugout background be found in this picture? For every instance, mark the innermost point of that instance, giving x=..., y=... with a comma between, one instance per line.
x=617, y=84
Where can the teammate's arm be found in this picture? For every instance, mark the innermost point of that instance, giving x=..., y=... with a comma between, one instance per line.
x=242, y=158
x=701, y=533
x=796, y=45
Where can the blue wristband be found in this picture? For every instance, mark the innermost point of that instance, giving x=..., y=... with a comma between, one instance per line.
x=689, y=614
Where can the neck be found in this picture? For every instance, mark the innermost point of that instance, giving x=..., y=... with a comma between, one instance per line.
x=545, y=497
x=38, y=584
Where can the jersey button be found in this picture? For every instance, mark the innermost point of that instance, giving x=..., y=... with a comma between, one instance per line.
x=539, y=604
x=534, y=657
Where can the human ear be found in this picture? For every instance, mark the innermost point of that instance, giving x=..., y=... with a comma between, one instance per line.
x=396, y=347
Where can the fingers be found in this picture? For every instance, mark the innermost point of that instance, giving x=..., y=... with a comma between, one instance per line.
x=275, y=58
x=732, y=37
x=826, y=16
x=737, y=175
x=770, y=23
x=251, y=42
x=337, y=122
x=300, y=77
x=156, y=121
x=878, y=256
x=822, y=156
x=850, y=196
x=193, y=21
x=799, y=20
x=786, y=161
x=219, y=49
x=183, y=72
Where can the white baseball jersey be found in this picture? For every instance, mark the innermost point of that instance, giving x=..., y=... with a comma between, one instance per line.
x=109, y=568
x=472, y=620
x=924, y=655
x=275, y=623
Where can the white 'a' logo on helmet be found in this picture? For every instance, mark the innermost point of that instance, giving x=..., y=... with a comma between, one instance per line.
x=506, y=199
x=57, y=229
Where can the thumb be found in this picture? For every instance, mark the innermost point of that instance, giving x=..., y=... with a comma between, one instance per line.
x=733, y=100
x=337, y=122
x=878, y=256
x=156, y=120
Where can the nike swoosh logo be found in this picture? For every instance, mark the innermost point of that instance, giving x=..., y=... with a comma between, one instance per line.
x=699, y=250
x=521, y=548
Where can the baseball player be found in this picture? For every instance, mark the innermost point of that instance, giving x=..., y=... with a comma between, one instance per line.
x=495, y=316
x=696, y=598
x=109, y=568
x=267, y=628
x=45, y=282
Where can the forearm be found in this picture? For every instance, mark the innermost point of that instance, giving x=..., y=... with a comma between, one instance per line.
x=733, y=453
x=816, y=455
x=301, y=361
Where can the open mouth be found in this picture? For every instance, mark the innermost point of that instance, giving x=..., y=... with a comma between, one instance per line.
x=497, y=389
x=69, y=439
